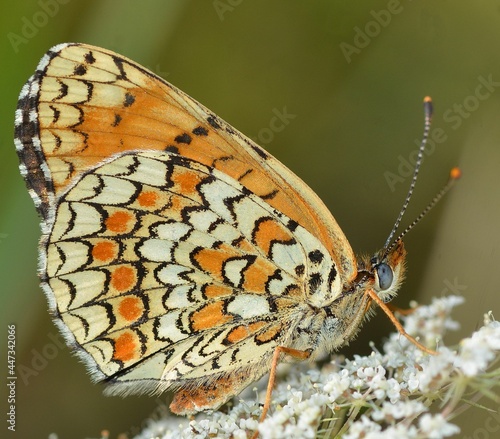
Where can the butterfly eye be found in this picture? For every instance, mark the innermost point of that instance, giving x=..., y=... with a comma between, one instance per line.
x=385, y=276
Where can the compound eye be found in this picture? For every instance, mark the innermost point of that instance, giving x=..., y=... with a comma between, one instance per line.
x=385, y=276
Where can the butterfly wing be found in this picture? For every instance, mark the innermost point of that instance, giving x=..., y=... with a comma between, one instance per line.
x=164, y=272
x=84, y=104
x=181, y=268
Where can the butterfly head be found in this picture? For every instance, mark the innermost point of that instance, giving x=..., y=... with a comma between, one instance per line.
x=388, y=269
x=384, y=272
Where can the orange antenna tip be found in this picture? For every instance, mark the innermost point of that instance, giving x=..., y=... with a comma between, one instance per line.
x=428, y=107
x=455, y=173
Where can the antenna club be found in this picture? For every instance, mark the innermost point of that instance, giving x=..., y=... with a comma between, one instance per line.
x=428, y=107
x=455, y=173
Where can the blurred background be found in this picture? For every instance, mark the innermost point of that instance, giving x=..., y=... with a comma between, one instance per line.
x=351, y=76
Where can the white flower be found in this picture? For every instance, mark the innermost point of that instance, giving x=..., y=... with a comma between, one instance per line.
x=363, y=428
x=436, y=427
x=337, y=384
x=400, y=410
x=393, y=388
x=435, y=370
x=477, y=351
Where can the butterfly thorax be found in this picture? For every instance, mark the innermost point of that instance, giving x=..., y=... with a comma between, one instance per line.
x=336, y=324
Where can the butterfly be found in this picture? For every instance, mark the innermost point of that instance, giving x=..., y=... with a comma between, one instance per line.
x=176, y=254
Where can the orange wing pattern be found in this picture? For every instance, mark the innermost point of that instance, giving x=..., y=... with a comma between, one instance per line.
x=176, y=253
x=163, y=284
x=84, y=104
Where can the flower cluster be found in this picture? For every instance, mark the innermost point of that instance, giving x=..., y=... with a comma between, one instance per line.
x=387, y=394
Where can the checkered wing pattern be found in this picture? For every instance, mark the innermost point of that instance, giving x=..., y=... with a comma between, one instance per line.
x=176, y=253
x=84, y=104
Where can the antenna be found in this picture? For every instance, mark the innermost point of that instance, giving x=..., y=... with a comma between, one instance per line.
x=428, y=110
x=455, y=174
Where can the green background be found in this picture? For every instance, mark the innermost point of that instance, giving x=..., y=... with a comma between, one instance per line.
x=356, y=119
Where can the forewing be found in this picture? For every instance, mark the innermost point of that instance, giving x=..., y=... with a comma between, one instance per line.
x=85, y=104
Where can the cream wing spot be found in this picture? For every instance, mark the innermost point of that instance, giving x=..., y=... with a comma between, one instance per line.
x=61, y=291
x=168, y=327
x=202, y=219
x=280, y=283
x=173, y=231
x=172, y=274
x=51, y=88
x=248, y=214
x=78, y=289
x=158, y=250
x=142, y=169
x=225, y=233
x=105, y=95
x=66, y=67
x=216, y=192
x=88, y=187
x=248, y=306
x=287, y=256
x=33, y=118
x=67, y=116
x=68, y=256
x=102, y=352
x=233, y=270
x=18, y=119
x=75, y=220
x=96, y=318
x=179, y=297
x=118, y=191
x=182, y=254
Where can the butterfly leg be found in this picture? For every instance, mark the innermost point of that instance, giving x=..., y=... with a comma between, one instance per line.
x=402, y=311
x=395, y=322
x=296, y=353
